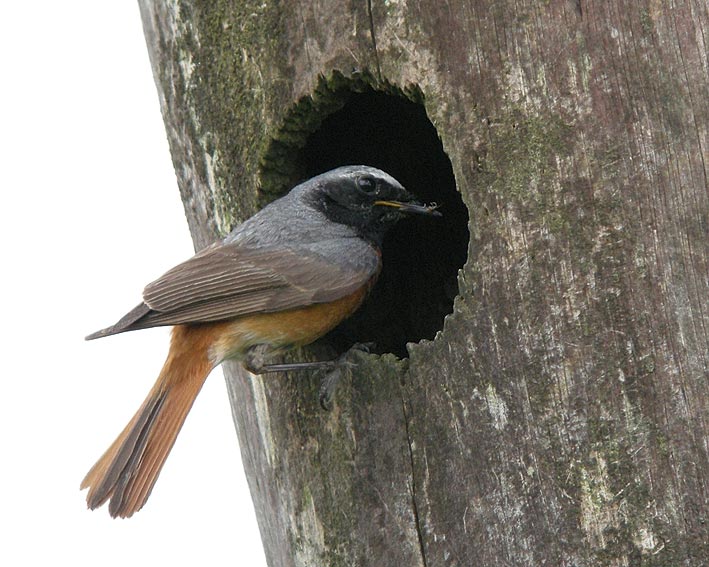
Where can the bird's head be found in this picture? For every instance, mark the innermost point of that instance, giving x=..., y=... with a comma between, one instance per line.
x=365, y=198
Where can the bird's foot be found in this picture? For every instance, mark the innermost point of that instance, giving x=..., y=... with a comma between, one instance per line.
x=256, y=356
x=329, y=382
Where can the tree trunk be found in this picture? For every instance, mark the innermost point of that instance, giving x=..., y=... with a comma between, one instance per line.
x=558, y=416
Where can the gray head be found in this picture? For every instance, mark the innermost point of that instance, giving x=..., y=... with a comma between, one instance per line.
x=362, y=197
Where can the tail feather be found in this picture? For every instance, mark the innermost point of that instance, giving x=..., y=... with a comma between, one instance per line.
x=135, y=489
x=123, y=502
x=103, y=477
x=127, y=471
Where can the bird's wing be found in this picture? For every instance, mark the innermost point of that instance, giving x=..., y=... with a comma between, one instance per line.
x=228, y=280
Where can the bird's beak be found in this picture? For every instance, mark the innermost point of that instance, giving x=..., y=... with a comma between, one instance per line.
x=413, y=208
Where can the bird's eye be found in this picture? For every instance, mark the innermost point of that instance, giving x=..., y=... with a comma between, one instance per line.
x=367, y=184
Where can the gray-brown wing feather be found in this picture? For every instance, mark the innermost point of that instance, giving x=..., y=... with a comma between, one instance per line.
x=228, y=281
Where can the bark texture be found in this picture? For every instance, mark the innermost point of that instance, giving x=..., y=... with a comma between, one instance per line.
x=560, y=416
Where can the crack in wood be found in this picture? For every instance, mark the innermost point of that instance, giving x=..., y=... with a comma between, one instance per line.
x=374, y=38
x=414, y=506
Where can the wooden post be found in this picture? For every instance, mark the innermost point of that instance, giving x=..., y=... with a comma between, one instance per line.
x=560, y=415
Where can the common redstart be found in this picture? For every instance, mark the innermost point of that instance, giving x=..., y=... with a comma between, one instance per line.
x=282, y=279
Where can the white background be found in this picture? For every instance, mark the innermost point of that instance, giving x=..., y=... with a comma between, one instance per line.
x=90, y=213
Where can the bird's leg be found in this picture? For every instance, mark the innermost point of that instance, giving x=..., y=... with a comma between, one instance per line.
x=255, y=362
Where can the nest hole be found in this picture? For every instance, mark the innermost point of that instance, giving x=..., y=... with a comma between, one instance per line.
x=421, y=256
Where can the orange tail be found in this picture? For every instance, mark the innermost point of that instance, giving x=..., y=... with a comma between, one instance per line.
x=127, y=471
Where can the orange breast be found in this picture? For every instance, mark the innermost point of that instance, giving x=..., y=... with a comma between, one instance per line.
x=294, y=327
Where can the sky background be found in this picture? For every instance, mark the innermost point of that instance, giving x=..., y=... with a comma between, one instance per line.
x=91, y=213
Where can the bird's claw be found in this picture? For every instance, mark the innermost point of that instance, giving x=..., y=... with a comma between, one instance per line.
x=331, y=379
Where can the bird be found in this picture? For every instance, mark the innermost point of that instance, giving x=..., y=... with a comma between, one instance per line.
x=280, y=280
